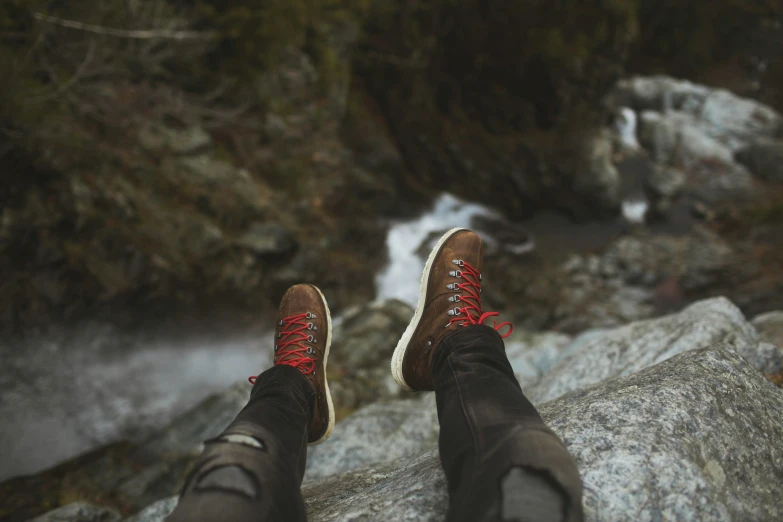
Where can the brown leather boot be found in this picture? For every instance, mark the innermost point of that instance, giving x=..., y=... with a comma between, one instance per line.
x=450, y=298
x=303, y=336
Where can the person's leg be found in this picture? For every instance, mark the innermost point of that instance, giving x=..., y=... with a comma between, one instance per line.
x=253, y=470
x=500, y=459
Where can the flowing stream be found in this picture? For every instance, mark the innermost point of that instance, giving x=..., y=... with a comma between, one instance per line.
x=61, y=397
x=402, y=276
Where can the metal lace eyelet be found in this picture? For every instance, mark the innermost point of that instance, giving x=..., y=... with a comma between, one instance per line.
x=276, y=347
x=451, y=286
x=310, y=351
x=455, y=311
x=308, y=315
x=279, y=335
x=311, y=339
x=280, y=323
x=459, y=262
x=456, y=273
x=310, y=326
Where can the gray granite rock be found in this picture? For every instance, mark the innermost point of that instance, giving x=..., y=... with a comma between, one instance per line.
x=378, y=433
x=638, y=276
x=533, y=354
x=712, y=134
x=622, y=351
x=368, y=334
x=693, y=438
x=768, y=358
x=770, y=327
x=725, y=116
x=599, y=178
x=652, y=446
x=410, y=489
x=666, y=182
x=764, y=158
x=681, y=139
x=79, y=512
x=364, y=341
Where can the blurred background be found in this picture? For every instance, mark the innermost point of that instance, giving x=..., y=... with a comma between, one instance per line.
x=170, y=167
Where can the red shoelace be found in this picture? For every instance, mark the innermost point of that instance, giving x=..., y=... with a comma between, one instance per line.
x=471, y=313
x=291, y=342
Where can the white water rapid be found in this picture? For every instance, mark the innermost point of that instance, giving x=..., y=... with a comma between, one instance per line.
x=402, y=276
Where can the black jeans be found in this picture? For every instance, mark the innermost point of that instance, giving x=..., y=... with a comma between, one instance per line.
x=501, y=461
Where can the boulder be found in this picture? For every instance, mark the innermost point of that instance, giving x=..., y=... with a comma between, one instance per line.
x=265, y=239
x=770, y=327
x=381, y=432
x=638, y=276
x=692, y=438
x=764, y=158
x=770, y=358
x=595, y=357
x=599, y=179
x=665, y=182
x=658, y=93
x=680, y=139
x=367, y=335
x=533, y=354
x=710, y=134
x=721, y=115
x=364, y=341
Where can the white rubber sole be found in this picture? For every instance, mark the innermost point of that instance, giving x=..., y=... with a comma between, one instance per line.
x=402, y=345
x=330, y=426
